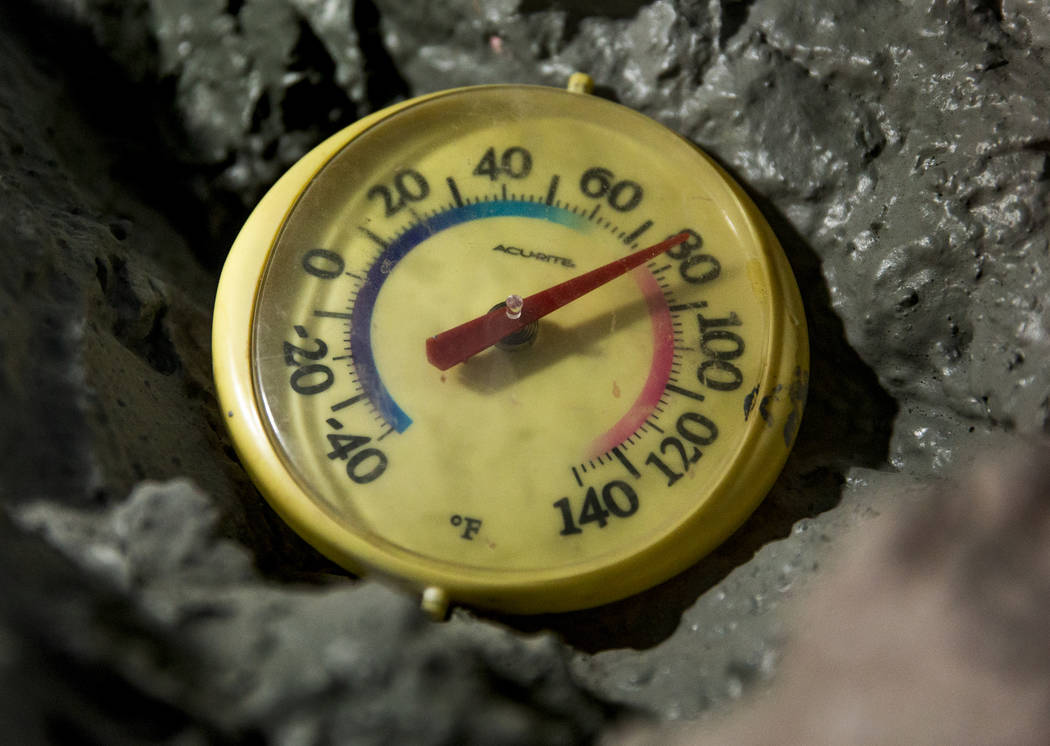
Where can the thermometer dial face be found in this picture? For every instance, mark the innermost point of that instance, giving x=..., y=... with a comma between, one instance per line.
x=631, y=433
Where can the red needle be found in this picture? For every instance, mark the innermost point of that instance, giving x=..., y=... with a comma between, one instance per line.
x=468, y=339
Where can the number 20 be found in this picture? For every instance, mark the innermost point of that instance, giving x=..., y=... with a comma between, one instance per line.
x=409, y=186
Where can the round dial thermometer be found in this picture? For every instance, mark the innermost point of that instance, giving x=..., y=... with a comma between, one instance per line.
x=511, y=346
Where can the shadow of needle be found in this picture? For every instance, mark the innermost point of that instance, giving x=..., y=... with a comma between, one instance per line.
x=495, y=369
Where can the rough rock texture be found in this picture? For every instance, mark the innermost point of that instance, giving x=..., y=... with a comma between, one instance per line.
x=900, y=152
x=209, y=650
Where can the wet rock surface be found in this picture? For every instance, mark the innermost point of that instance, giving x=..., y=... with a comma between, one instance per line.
x=899, y=152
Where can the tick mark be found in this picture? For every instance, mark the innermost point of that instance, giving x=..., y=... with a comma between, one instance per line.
x=637, y=232
x=347, y=402
x=686, y=306
x=551, y=190
x=378, y=239
x=455, y=191
x=626, y=463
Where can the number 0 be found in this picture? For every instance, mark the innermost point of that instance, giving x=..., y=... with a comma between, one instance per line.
x=609, y=498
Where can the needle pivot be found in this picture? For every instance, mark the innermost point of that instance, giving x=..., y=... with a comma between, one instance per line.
x=459, y=343
x=514, y=305
x=523, y=336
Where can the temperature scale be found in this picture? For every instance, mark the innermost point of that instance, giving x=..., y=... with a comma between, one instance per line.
x=511, y=346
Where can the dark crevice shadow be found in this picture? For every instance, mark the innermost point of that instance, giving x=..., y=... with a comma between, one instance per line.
x=734, y=16
x=577, y=10
x=315, y=99
x=384, y=84
x=132, y=119
x=848, y=422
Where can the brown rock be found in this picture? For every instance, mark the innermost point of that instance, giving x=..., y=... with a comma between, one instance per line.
x=932, y=629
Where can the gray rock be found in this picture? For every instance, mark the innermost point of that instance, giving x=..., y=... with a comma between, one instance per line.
x=225, y=653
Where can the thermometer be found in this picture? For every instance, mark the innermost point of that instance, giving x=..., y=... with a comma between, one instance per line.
x=510, y=346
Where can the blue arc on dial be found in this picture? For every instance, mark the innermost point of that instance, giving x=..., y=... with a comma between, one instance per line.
x=361, y=320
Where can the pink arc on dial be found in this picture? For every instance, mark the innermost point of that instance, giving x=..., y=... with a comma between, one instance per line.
x=659, y=370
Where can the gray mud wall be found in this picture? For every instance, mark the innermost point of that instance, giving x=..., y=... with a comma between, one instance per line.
x=901, y=152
